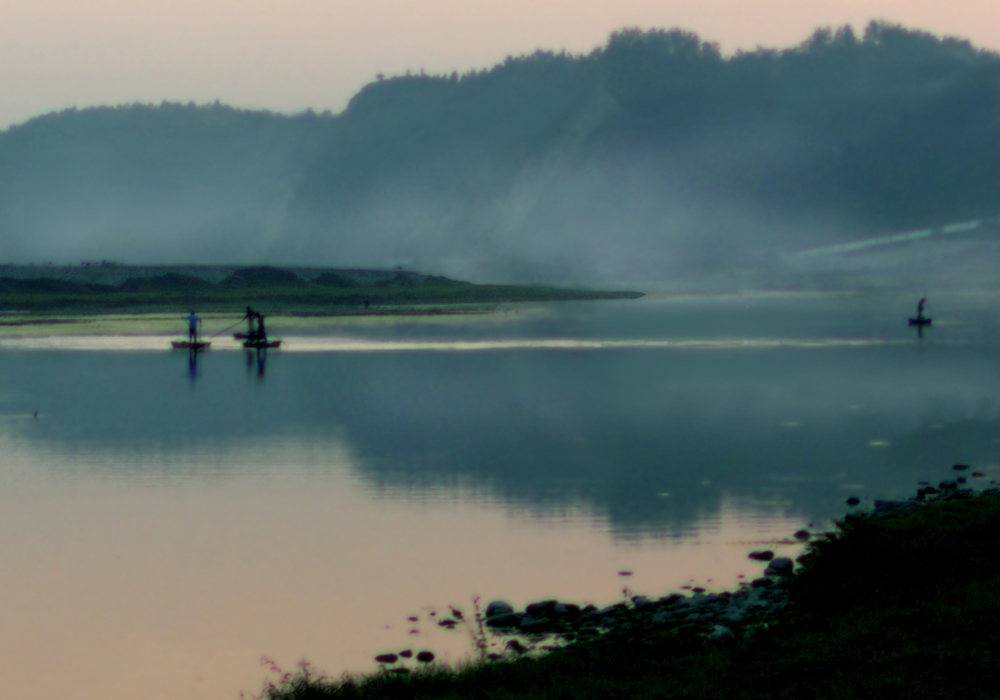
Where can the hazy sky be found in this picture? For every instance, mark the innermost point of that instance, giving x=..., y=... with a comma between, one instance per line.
x=288, y=55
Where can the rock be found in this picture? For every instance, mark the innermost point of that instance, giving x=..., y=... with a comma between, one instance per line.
x=566, y=610
x=853, y=501
x=497, y=608
x=504, y=621
x=516, y=647
x=534, y=624
x=764, y=555
x=781, y=566
x=542, y=609
x=802, y=535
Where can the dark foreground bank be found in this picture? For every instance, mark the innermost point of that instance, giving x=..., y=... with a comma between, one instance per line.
x=901, y=601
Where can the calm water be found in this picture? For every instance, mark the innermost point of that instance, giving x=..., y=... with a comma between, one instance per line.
x=163, y=526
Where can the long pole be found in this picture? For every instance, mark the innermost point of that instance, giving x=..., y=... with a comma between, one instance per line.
x=229, y=328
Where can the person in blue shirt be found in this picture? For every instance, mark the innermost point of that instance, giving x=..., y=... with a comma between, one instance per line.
x=193, y=323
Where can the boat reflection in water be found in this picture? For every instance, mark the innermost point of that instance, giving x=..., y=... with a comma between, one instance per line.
x=261, y=355
x=193, y=365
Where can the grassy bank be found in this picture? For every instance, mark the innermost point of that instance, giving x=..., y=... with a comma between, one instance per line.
x=276, y=290
x=885, y=607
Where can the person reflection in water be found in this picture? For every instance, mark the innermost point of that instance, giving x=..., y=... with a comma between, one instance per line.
x=192, y=365
x=193, y=323
x=261, y=333
x=261, y=354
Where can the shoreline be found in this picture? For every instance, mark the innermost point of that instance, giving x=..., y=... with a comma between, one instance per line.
x=109, y=288
x=901, y=583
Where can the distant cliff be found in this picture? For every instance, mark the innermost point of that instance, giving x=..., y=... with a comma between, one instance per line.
x=651, y=157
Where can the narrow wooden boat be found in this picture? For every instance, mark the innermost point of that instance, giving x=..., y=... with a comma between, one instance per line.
x=920, y=321
x=188, y=345
x=257, y=344
x=240, y=336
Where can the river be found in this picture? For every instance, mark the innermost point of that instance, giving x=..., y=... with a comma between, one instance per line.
x=165, y=524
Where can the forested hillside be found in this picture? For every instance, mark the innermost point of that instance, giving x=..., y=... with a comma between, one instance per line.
x=653, y=156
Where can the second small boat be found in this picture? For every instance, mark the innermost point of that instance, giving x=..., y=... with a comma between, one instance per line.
x=190, y=345
x=920, y=320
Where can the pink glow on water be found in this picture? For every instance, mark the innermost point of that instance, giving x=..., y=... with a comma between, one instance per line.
x=166, y=587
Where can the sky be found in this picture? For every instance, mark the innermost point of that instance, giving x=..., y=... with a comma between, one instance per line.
x=292, y=55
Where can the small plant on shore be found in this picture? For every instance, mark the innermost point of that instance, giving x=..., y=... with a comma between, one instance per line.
x=288, y=684
x=477, y=629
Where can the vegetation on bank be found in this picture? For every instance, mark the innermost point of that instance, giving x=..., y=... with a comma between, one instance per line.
x=900, y=607
x=277, y=290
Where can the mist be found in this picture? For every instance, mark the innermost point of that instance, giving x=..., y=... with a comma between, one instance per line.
x=652, y=161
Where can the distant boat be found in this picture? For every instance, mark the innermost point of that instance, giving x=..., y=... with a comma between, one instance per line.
x=920, y=320
x=262, y=344
x=241, y=336
x=188, y=345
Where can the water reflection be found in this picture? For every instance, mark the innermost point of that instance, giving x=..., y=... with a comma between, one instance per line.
x=159, y=540
x=260, y=355
x=612, y=429
x=192, y=366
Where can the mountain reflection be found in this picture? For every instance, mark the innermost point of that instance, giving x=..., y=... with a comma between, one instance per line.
x=648, y=441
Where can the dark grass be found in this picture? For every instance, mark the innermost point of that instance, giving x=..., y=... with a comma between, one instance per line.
x=884, y=608
x=276, y=299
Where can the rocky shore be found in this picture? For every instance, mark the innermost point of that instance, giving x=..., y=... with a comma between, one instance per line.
x=714, y=616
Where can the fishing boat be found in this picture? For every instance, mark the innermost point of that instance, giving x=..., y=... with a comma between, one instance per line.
x=190, y=345
x=920, y=320
x=262, y=344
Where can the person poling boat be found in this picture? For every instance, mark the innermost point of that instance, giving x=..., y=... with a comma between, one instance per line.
x=920, y=320
x=259, y=339
x=250, y=334
x=193, y=322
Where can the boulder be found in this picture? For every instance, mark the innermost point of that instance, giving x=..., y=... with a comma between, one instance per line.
x=780, y=566
x=499, y=607
x=531, y=625
x=504, y=621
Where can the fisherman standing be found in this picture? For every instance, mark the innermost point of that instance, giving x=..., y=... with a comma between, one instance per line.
x=261, y=333
x=250, y=317
x=193, y=323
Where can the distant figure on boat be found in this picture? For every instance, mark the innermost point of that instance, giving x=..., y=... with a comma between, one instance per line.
x=920, y=320
x=193, y=323
x=261, y=336
x=250, y=317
